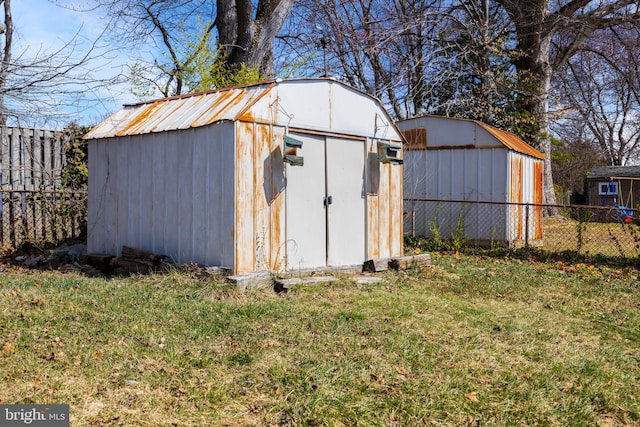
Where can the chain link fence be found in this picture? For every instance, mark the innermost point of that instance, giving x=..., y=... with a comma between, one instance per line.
x=608, y=231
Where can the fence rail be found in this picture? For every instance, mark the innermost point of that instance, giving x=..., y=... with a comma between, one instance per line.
x=589, y=230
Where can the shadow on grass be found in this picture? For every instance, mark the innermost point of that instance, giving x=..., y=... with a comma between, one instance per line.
x=531, y=254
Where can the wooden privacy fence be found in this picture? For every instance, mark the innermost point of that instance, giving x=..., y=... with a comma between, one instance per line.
x=34, y=206
x=32, y=159
x=41, y=216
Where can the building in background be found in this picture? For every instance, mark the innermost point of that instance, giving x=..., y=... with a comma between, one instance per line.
x=466, y=179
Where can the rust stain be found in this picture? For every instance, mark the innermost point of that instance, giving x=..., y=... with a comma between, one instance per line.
x=245, y=241
x=277, y=204
x=261, y=179
x=395, y=215
x=416, y=139
x=247, y=117
x=140, y=119
x=396, y=176
x=384, y=226
x=537, y=198
x=245, y=114
x=511, y=141
x=515, y=194
x=223, y=101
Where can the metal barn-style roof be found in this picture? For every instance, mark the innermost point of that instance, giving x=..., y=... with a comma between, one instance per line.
x=276, y=102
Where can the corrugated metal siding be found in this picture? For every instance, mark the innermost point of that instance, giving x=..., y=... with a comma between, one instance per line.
x=460, y=174
x=259, y=198
x=515, y=195
x=244, y=198
x=395, y=243
x=384, y=212
x=183, y=203
x=525, y=187
x=274, y=192
x=537, y=199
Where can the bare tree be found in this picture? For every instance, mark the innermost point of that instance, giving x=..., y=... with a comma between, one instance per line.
x=549, y=34
x=476, y=38
x=600, y=86
x=383, y=48
x=174, y=34
x=247, y=34
x=427, y=56
x=37, y=86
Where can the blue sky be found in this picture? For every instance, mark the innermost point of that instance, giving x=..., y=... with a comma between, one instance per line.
x=41, y=25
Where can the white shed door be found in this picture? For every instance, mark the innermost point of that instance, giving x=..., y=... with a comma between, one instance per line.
x=305, y=191
x=325, y=203
x=346, y=213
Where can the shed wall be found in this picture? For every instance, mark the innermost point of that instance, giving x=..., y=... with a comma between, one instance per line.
x=628, y=189
x=168, y=192
x=259, y=186
x=262, y=235
x=384, y=186
x=457, y=174
x=525, y=186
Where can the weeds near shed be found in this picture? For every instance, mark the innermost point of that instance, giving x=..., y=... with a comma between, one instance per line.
x=457, y=236
x=580, y=228
x=434, y=228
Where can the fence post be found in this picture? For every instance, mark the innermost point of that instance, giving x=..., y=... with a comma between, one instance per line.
x=526, y=226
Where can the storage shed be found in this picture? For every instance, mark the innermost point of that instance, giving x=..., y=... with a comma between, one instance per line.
x=280, y=175
x=466, y=179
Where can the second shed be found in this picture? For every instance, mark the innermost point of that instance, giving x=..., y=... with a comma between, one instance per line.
x=465, y=179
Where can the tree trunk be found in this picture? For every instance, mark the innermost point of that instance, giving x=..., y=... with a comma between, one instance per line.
x=540, y=110
x=6, y=60
x=246, y=40
x=484, y=62
x=535, y=71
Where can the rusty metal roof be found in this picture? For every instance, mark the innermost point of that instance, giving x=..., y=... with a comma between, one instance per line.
x=181, y=112
x=511, y=141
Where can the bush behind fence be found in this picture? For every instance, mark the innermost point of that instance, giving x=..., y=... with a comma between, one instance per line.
x=43, y=217
x=588, y=230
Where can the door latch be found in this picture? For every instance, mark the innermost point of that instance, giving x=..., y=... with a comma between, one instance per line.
x=328, y=200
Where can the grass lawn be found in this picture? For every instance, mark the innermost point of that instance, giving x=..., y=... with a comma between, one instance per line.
x=608, y=239
x=473, y=341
